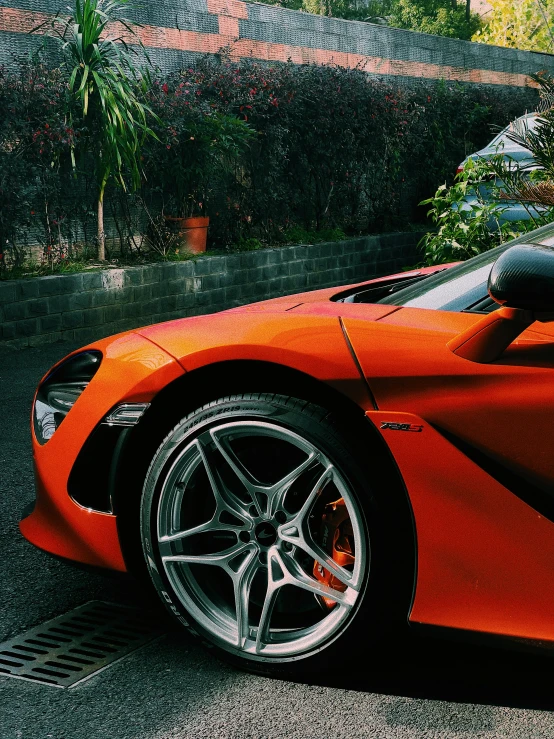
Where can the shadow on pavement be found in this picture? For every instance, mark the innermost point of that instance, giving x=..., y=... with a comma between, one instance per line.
x=445, y=669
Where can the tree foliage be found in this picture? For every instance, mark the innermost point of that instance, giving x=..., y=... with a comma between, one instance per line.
x=440, y=17
x=452, y=18
x=519, y=24
x=361, y=10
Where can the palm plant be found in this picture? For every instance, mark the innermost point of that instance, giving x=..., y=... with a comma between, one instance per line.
x=109, y=88
x=532, y=183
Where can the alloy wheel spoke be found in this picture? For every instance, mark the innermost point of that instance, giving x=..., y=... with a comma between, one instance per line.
x=263, y=635
x=277, y=492
x=315, y=492
x=225, y=503
x=267, y=498
x=303, y=540
x=214, y=524
x=224, y=499
x=252, y=487
x=297, y=533
x=293, y=574
x=242, y=583
x=284, y=570
x=220, y=559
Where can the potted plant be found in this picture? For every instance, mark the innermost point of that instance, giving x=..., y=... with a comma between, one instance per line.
x=191, y=233
x=195, y=143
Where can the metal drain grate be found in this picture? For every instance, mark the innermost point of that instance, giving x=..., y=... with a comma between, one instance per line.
x=72, y=647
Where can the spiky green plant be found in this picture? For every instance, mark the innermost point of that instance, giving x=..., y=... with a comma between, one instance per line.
x=109, y=86
x=533, y=181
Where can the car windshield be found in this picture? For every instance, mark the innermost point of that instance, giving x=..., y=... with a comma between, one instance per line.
x=461, y=286
x=528, y=123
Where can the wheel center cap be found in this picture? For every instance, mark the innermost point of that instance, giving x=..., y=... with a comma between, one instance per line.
x=266, y=534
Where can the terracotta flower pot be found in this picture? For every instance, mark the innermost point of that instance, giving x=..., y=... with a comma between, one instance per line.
x=192, y=233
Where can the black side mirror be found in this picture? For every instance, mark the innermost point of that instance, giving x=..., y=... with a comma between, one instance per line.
x=523, y=277
x=522, y=281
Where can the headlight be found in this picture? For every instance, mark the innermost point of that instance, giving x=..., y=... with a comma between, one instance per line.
x=60, y=390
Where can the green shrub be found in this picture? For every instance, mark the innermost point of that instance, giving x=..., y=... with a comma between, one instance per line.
x=469, y=228
x=299, y=235
x=250, y=244
x=334, y=147
x=279, y=153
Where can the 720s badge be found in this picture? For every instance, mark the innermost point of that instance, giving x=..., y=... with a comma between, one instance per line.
x=401, y=426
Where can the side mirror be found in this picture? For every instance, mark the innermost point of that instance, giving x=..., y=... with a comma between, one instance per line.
x=523, y=277
x=522, y=282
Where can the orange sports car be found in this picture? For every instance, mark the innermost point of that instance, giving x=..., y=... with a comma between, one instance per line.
x=300, y=476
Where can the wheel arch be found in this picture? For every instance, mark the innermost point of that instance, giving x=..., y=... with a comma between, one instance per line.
x=213, y=381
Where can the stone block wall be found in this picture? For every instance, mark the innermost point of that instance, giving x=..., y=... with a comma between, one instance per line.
x=175, y=32
x=88, y=306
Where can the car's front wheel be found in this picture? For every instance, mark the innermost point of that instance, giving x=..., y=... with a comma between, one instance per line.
x=262, y=534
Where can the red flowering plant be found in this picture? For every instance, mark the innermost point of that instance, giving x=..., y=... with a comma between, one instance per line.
x=327, y=151
x=195, y=146
x=36, y=142
x=269, y=150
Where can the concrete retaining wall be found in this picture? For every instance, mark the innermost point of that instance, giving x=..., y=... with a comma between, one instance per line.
x=87, y=306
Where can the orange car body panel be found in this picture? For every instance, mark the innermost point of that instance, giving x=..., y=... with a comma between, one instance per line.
x=504, y=409
x=314, y=345
x=134, y=370
x=485, y=557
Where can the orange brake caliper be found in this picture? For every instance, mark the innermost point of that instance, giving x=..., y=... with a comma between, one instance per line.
x=336, y=537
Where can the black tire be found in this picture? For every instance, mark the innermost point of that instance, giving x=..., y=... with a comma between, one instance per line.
x=196, y=594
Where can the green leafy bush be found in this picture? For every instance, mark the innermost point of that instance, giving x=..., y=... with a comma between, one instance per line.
x=277, y=153
x=334, y=147
x=195, y=147
x=467, y=227
x=36, y=140
x=299, y=235
x=250, y=244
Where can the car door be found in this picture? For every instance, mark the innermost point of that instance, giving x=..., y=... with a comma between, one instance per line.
x=479, y=476
x=502, y=411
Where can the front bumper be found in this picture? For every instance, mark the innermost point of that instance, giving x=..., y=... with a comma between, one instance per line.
x=133, y=370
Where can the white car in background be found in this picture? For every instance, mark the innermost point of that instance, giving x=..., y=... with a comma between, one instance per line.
x=508, y=210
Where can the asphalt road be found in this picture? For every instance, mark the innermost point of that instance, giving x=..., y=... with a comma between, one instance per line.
x=172, y=688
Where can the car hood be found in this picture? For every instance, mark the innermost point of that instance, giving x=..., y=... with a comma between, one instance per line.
x=266, y=322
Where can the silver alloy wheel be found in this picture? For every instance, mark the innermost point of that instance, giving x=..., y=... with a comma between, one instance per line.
x=255, y=541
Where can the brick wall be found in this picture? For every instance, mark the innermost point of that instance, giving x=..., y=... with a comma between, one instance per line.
x=175, y=32
x=84, y=307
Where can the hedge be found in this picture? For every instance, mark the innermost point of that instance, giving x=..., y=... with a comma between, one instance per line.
x=331, y=148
